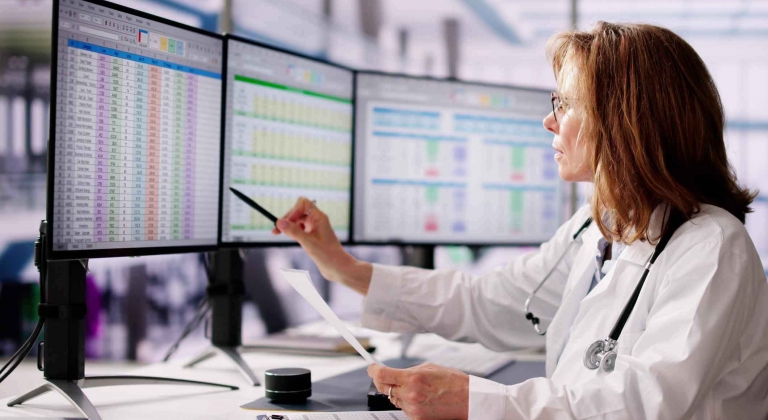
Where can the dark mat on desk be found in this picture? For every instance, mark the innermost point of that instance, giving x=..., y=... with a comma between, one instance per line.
x=349, y=391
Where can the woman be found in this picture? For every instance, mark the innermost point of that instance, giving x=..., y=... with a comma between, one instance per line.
x=638, y=115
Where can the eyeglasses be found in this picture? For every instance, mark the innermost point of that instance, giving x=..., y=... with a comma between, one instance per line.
x=557, y=106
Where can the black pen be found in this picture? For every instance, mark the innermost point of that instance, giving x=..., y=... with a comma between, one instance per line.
x=253, y=204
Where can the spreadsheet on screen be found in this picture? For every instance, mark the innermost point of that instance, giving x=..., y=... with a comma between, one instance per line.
x=439, y=161
x=137, y=132
x=288, y=134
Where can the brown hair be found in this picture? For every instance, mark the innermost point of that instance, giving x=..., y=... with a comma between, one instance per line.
x=653, y=123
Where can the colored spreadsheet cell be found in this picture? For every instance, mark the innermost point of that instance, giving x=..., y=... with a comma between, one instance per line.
x=130, y=133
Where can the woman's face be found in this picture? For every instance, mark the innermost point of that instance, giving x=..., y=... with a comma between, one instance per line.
x=570, y=151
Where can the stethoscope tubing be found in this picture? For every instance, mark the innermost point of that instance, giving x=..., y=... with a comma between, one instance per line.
x=675, y=220
x=528, y=301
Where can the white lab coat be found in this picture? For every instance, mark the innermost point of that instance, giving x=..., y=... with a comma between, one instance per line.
x=695, y=346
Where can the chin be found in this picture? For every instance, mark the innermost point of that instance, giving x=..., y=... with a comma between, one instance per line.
x=566, y=175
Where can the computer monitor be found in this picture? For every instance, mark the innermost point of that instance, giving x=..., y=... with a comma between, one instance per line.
x=287, y=134
x=133, y=157
x=448, y=162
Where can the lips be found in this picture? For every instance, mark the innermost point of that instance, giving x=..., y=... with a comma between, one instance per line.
x=557, y=149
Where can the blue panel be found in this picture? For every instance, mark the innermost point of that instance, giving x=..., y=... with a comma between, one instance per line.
x=14, y=259
x=746, y=125
x=209, y=21
x=142, y=59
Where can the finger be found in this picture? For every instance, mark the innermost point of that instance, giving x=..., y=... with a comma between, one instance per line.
x=312, y=221
x=275, y=231
x=380, y=386
x=387, y=375
x=292, y=230
x=299, y=209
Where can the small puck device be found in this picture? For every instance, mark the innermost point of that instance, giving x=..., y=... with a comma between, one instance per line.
x=288, y=385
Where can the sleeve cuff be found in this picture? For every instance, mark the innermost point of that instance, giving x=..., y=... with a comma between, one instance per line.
x=487, y=399
x=380, y=306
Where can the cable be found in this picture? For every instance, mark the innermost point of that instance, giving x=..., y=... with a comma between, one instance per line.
x=26, y=347
x=19, y=351
x=22, y=353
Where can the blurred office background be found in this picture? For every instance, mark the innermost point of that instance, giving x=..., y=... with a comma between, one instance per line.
x=142, y=304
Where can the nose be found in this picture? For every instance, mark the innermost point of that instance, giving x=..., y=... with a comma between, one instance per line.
x=550, y=124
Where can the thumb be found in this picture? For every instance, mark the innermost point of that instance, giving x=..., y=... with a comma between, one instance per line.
x=292, y=230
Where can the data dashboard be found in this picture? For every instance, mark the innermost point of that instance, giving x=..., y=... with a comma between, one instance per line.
x=449, y=162
x=135, y=141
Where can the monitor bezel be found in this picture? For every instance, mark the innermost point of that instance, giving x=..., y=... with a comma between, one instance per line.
x=103, y=253
x=397, y=242
x=263, y=244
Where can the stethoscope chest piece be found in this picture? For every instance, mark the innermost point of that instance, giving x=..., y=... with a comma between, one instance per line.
x=601, y=355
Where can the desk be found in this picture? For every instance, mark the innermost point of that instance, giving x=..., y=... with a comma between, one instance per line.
x=165, y=402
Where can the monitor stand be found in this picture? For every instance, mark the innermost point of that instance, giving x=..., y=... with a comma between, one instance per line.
x=63, y=348
x=225, y=296
x=422, y=256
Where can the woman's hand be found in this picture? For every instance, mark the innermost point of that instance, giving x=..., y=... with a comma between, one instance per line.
x=426, y=391
x=308, y=225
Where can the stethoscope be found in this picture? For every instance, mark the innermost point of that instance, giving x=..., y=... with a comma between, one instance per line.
x=601, y=353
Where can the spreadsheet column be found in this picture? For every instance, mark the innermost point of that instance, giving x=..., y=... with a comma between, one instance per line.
x=208, y=103
x=190, y=133
x=162, y=192
x=139, y=163
x=125, y=172
x=82, y=149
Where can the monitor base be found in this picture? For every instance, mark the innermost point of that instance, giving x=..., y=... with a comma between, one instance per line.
x=232, y=354
x=73, y=390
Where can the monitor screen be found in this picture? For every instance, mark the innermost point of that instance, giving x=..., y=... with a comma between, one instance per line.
x=288, y=134
x=440, y=162
x=135, y=136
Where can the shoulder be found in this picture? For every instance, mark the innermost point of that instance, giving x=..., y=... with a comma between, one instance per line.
x=716, y=226
x=713, y=241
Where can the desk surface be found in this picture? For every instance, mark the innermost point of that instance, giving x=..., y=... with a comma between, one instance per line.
x=187, y=402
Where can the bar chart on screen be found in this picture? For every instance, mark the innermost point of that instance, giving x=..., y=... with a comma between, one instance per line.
x=287, y=143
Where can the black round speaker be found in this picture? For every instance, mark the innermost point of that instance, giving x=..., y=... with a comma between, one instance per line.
x=288, y=385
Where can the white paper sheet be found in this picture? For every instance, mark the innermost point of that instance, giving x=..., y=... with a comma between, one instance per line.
x=300, y=280
x=350, y=415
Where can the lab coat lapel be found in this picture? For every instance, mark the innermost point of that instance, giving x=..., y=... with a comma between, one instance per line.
x=578, y=285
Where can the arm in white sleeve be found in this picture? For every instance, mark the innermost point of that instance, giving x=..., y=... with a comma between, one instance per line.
x=693, y=337
x=486, y=309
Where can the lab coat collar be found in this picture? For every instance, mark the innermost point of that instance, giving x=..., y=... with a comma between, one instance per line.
x=640, y=251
